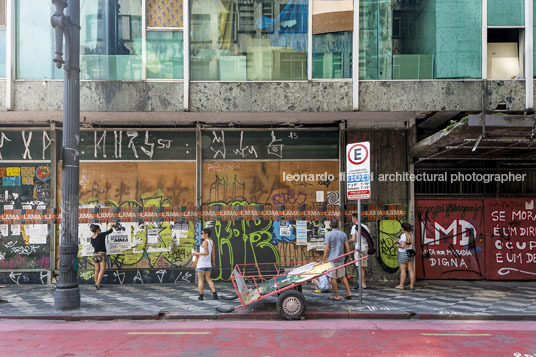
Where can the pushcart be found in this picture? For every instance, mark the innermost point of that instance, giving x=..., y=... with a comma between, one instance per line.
x=256, y=282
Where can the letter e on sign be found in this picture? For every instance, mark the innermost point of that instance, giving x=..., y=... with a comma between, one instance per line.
x=358, y=170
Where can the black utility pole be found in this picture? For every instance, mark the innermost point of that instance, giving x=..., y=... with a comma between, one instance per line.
x=67, y=290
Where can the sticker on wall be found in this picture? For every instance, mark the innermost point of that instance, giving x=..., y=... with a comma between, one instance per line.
x=3, y=230
x=27, y=171
x=37, y=233
x=301, y=232
x=15, y=229
x=3, y=172
x=333, y=198
x=42, y=172
x=11, y=181
x=27, y=180
x=13, y=171
x=152, y=236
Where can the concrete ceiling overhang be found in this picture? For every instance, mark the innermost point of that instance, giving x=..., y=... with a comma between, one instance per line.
x=493, y=137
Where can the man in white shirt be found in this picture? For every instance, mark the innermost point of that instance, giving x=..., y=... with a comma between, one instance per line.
x=364, y=247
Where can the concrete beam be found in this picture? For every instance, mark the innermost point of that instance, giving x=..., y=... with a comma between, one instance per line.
x=503, y=120
x=438, y=119
x=299, y=96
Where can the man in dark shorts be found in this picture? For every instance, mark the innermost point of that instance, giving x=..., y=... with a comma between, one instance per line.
x=336, y=245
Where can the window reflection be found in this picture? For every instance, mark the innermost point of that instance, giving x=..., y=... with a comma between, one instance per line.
x=417, y=39
x=165, y=55
x=2, y=53
x=238, y=40
x=35, y=41
x=111, y=39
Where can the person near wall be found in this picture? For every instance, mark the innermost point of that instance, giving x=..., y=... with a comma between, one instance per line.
x=98, y=241
x=406, y=261
x=205, y=261
x=364, y=247
x=336, y=245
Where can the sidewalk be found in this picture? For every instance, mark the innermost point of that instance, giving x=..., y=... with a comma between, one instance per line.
x=449, y=299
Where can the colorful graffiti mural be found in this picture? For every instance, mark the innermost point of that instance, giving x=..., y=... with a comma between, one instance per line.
x=389, y=232
x=25, y=187
x=450, y=239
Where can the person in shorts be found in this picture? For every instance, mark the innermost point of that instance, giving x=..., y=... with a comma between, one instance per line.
x=336, y=245
x=98, y=241
x=206, y=259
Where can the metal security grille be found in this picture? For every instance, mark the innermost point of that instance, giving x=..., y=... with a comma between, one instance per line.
x=476, y=182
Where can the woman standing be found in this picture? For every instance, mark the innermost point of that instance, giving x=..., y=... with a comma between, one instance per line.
x=206, y=260
x=404, y=244
x=98, y=241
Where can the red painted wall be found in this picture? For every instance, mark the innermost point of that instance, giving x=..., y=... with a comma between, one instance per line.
x=510, y=238
x=449, y=236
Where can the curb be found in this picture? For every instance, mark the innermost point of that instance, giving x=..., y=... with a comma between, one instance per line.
x=498, y=317
x=276, y=316
x=82, y=317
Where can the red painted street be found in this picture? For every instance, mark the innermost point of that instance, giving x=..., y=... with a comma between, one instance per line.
x=268, y=338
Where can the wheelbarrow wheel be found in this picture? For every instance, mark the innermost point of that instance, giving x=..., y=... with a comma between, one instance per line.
x=291, y=305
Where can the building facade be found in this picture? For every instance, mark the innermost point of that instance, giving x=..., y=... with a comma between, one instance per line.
x=235, y=114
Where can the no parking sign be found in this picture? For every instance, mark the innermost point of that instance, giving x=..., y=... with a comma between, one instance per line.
x=358, y=171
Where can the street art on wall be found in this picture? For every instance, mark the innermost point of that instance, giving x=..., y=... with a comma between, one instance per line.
x=129, y=246
x=263, y=182
x=511, y=247
x=25, y=188
x=449, y=237
x=389, y=232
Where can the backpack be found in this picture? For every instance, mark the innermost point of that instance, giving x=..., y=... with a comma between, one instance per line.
x=370, y=242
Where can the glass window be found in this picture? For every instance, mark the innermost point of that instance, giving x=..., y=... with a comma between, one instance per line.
x=2, y=38
x=110, y=40
x=332, y=55
x=332, y=38
x=35, y=41
x=165, y=55
x=420, y=39
x=506, y=12
x=2, y=53
x=164, y=39
x=239, y=40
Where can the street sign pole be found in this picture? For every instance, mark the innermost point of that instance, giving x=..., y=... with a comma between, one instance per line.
x=358, y=188
x=360, y=273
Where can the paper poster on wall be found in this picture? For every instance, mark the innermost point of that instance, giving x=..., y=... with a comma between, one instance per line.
x=15, y=229
x=117, y=243
x=85, y=249
x=37, y=233
x=316, y=234
x=180, y=231
x=284, y=228
x=301, y=232
x=3, y=230
x=152, y=235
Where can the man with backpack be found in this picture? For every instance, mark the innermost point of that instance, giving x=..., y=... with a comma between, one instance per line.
x=367, y=246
